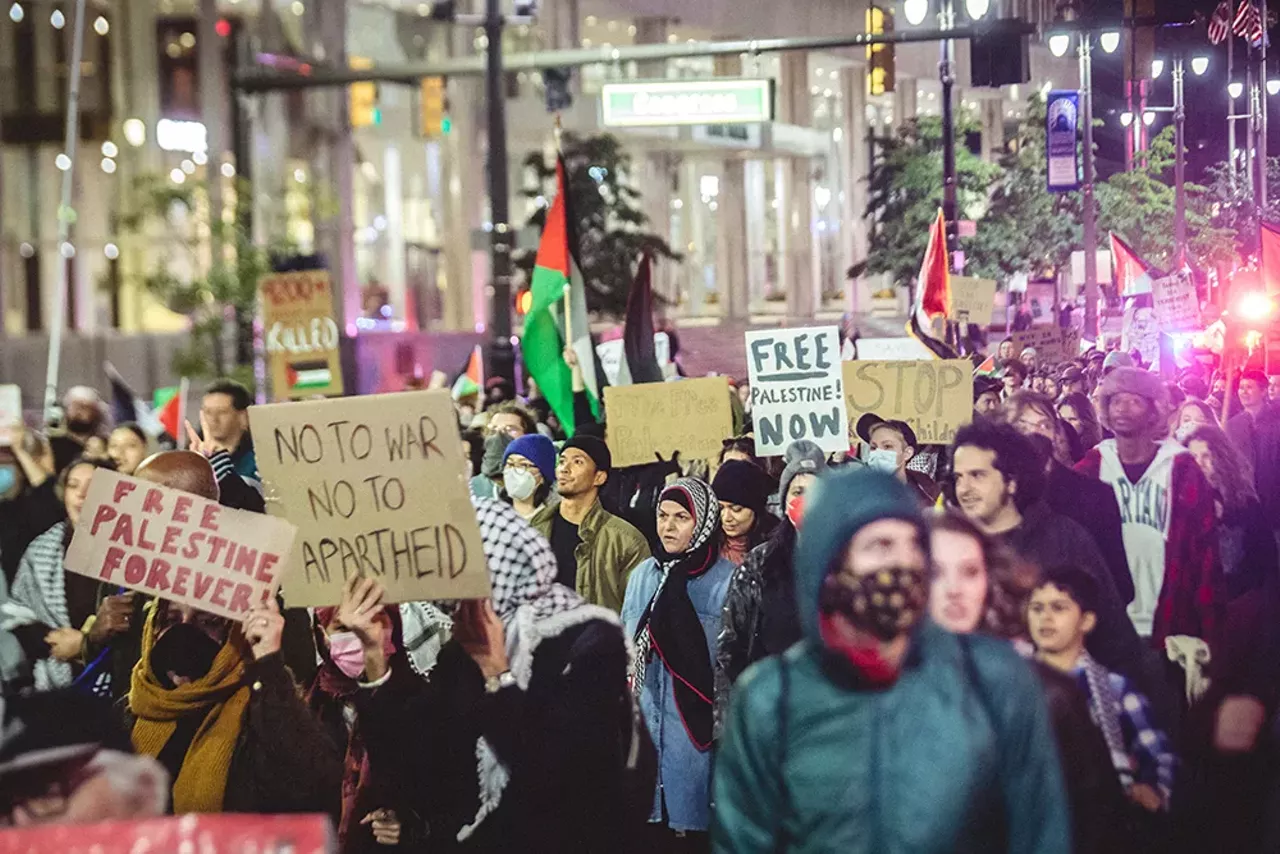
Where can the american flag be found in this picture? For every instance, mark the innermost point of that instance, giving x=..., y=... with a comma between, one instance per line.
x=1220, y=23
x=1248, y=22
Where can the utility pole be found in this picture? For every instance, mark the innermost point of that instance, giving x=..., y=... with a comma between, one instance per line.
x=1262, y=117
x=1179, y=163
x=502, y=361
x=1231, y=109
x=1090, y=214
x=947, y=76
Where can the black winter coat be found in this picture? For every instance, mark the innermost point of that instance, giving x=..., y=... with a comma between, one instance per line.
x=1092, y=504
x=760, y=616
x=559, y=739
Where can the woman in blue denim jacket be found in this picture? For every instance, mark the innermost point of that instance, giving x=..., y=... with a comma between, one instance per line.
x=672, y=611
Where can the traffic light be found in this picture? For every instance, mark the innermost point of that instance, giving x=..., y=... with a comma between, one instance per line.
x=363, y=97
x=998, y=55
x=524, y=301
x=880, y=58
x=434, y=106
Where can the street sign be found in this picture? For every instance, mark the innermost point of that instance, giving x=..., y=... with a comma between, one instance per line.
x=1062, y=151
x=687, y=102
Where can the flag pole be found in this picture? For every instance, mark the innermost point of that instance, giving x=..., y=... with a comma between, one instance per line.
x=558, y=131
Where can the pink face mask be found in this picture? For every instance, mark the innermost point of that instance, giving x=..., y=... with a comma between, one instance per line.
x=795, y=510
x=347, y=653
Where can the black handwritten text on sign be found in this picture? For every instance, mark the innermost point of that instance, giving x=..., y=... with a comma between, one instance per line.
x=375, y=486
x=796, y=388
x=935, y=397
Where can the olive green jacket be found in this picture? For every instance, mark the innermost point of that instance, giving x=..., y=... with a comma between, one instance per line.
x=611, y=547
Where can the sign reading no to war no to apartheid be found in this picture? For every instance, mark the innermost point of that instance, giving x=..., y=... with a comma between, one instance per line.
x=690, y=416
x=797, y=389
x=178, y=546
x=935, y=397
x=301, y=334
x=377, y=487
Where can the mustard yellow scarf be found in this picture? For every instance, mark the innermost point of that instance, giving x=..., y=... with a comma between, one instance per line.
x=221, y=695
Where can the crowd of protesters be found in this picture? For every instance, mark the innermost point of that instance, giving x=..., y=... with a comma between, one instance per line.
x=1058, y=633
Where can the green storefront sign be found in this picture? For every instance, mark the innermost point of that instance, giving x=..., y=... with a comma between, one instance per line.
x=687, y=102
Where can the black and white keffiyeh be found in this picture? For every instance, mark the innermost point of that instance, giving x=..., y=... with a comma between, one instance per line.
x=670, y=626
x=532, y=607
x=39, y=595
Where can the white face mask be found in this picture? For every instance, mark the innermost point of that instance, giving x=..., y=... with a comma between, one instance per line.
x=885, y=461
x=519, y=483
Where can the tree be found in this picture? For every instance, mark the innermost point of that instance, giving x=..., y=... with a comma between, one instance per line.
x=611, y=227
x=1231, y=203
x=1139, y=205
x=905, y=192
x=217, y=295
x=1027, y=229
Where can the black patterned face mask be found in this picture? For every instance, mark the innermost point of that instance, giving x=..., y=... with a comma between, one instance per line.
x=885, y=603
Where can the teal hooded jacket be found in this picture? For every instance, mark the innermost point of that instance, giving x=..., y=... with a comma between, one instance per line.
x=956, y=756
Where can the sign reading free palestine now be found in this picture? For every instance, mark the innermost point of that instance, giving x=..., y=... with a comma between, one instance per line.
x=686, y=102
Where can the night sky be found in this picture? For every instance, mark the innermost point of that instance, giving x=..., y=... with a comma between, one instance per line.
x=1206, y=96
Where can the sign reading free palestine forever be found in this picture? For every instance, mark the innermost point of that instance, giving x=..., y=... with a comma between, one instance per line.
x=686, y=102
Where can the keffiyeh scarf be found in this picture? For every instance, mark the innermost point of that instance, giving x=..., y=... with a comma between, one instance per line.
x=39, y=595
x=670, y=626
x=532, y=607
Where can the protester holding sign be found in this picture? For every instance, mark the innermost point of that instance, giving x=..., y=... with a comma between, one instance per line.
x=376, y=812
x=224, y=439
x=672, y=612
x=533, y=685
x=212, y=700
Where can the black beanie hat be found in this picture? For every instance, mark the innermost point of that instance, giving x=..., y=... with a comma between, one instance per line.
x=592, y=447
x=743, y=483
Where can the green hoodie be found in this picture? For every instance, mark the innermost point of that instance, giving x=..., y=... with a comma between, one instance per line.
x=956, y=756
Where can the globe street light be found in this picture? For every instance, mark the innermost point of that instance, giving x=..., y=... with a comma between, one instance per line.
x=977, y=8
x=1148, y=118
x=916, y=11
x=1273, y=87
x=1058, y=43
x=1157, y=68
x=1126, y=118
x=1110, y=40
x=1235, y=88
x=1199, y=65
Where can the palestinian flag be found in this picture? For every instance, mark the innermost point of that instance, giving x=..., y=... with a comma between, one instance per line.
x=1132, y=274
x=169, y=405
x=471, y=380
x=558, y=316
x=308, y=375
x=933, y=292
x=987, y=368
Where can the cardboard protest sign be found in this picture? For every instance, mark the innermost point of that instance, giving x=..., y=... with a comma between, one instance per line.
x=935, y=397
x=178, y=546
x=906, y=349
x=1052, y=343
x=10, y=412
x=301, y=334
x=1176, y=304
x=377, y=487
x=689, y=416
x=1141, y=333
x=796, y=389
x=972, y=300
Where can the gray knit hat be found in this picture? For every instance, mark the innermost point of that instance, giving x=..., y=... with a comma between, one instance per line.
x=802, y=457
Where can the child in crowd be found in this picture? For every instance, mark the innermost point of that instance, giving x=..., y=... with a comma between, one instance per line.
x=1061, y=614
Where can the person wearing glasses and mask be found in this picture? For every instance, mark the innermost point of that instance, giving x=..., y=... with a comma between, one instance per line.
x=528, y=471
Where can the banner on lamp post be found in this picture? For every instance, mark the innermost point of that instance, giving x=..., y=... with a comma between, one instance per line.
x=1062, y=151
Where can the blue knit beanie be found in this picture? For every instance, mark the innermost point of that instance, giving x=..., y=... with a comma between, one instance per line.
x=538, y=450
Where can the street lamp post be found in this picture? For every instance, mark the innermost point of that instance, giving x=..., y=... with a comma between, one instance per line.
x=501, y=353
x=1089, y=215
x=1179, y=163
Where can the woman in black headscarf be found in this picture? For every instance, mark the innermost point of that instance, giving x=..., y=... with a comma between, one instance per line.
x=672, y=610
